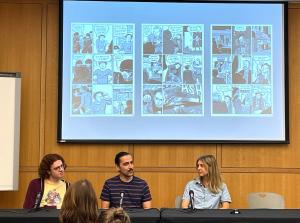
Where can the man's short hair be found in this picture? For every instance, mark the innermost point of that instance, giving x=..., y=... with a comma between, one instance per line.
x=119, y=156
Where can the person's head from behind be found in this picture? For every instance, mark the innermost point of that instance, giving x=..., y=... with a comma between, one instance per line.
x=80, y=204
x=114, y=215
x=52, y=167
x=124, y=164
x=208, y=170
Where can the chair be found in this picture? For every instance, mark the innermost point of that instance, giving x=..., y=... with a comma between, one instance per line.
x=178, y=201
x=265, y=200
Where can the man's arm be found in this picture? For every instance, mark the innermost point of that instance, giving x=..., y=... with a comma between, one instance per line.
x=105, y=204
x=147, y=204
x=185, y=204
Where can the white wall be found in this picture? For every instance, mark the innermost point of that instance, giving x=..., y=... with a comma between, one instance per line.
x=10, y=97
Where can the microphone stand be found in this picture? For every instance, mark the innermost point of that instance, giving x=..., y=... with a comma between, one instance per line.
x=192, y=200
x=36, y=203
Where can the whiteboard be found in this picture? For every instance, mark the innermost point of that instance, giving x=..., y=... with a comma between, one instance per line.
x=10, y=98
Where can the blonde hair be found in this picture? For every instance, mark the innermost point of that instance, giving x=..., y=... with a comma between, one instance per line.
x=213, y=176
x=114, y=215
x=80, y=204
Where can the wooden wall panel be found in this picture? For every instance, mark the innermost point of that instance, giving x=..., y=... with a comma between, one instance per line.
x=240, y=184
x=164, y=186
x=20, y=41
x=172, y=155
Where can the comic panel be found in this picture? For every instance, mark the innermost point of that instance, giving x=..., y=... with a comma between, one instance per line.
x=183, y=99
x=77, y=31
x=123, y=38
x=81, y=99
x=172, y=39
x=103, y=37
x=221, y=39
x=192, y=69
x=82, y=38
x=87, y=40
x=193, y=39
x=262, y=39
x=152, y=69
x=153, y=100
x=82, y=69
x=122, y=69
x=221, y=69
x=152, y=39
x=262, y=70
x=241, y=40
x=241, y=69
x=172, y=69
x=262, y=100
x=102, y=73
x=102, y=100
x=221, y=98
x=241, y=99
x=123, y=99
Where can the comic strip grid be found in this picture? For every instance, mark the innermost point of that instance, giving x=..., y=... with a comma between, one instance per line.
x=241, y=70
x=172, y=67
x=102, y=69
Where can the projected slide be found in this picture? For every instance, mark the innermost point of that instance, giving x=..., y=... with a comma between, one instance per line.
x=241, y=70
x=102, y=69
x=172, y=72
x=172, y=69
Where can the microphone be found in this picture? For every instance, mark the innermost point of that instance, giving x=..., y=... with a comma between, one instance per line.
x=192, y=201
x=36, y=206
x=37, y=199
x=121, y=199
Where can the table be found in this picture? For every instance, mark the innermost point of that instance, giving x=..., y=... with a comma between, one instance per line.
x=167, y=215
x=229, y=216
x=51, y=216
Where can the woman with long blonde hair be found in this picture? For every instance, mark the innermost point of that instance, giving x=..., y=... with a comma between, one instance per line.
x=207, y=191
